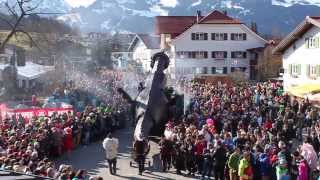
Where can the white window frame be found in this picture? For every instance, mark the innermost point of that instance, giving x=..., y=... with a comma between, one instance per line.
x=219, y=36
x=311, y=42
x=199, y=36
x=238, y=36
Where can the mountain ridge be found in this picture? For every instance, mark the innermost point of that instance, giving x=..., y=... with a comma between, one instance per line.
x=272, y=16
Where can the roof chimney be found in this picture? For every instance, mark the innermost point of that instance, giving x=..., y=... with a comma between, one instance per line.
x=198, y=16
x=225, y=12
x=254, y=27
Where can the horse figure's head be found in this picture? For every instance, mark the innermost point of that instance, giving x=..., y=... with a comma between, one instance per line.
x=163, y=61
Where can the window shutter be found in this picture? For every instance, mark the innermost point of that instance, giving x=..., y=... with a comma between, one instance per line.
x=307, y=42
x=308, y=69
x=299, y=69
x=232, y=36
x=205, y=54
x=225, y=36
x=225, y=54
x=225, y=70
x=244, y=36
x=205, y=36
x=213, y=54
x=290, y=69
x=193, y=36
x=317, y=42
x=213, y=70
x=213, y=36
x=244, y=55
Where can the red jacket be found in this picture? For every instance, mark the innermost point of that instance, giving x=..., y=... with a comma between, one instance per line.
x=200, y=146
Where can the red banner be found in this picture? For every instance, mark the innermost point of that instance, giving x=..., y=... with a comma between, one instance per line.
x=32, y=112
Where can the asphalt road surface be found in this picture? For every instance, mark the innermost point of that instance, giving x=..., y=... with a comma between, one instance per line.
x=92, y=158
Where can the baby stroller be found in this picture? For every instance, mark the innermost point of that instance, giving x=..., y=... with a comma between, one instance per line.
x=134, y=155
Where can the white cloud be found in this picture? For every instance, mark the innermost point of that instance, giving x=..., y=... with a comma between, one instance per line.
x=78, y=3
x=169, y=3
x=158, y=11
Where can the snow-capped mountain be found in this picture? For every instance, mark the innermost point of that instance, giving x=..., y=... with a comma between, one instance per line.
x=272, y=16
x=48, y=6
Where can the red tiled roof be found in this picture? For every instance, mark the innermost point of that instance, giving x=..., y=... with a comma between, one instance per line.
x=173, y=24
x=176, y=25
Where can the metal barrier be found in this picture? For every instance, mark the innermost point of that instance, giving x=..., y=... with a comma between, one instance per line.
x=6, y=174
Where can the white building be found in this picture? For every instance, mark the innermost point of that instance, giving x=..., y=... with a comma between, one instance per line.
x=120, y=54
x=215, y=44
x=30, y=74
x=143, y=47
x=301, y=52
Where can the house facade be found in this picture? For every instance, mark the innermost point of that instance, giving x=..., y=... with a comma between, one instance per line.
x=143, y=47
x=300, y=54
x=120, y=54
x=212, y=45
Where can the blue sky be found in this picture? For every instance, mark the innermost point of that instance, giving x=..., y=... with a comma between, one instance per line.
x=77, y=3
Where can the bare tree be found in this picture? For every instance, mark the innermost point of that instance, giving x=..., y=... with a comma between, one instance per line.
x=18, y=11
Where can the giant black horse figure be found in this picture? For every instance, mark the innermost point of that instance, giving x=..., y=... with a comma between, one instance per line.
x=152, y=111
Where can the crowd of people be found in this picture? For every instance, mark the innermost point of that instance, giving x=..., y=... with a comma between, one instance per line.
x=243, y=132
x=30, y=146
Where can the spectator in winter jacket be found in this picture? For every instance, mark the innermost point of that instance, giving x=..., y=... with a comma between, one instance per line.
x=245, y=168
x=220, y=158
x=265, y=166
x=111, y=145
x=233, y=164
x=282, y=170
x=303, y=170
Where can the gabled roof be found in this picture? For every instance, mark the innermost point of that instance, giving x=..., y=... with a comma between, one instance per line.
x=176, y=25
x=150, y=41
x=297, y=33
x=217, y=17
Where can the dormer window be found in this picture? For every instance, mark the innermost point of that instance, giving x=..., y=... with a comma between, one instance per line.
x=312, y=42
x=238, y=36
x=219, y=36
x=199, y=36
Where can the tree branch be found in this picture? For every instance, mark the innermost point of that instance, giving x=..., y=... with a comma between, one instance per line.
x=32, y=42
x=12, y=10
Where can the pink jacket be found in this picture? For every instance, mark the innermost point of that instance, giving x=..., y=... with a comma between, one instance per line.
x=303, y=170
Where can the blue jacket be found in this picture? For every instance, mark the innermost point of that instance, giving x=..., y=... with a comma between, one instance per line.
x=265, y=166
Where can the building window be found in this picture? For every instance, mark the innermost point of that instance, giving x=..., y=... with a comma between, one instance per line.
x=219, y=36
x=239, y=54
x=200, y=70
x=312, y=42
x=313, y=71
x=221, y=70
x=295, y=69
x=238, y=36
x=213, y=70
x=199, y=36
x=204, y=70
x=238, y=69
x=182, y=54
x=219, y=54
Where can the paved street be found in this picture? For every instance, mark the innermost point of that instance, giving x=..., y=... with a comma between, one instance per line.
x=92, y=158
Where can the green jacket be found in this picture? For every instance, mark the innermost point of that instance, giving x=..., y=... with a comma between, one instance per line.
x=242, y=166
x=233, y=162
x=281, y=171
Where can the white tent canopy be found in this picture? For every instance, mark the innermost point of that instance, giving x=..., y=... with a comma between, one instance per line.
x=31, y=70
